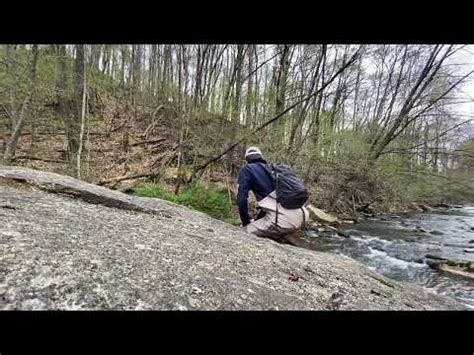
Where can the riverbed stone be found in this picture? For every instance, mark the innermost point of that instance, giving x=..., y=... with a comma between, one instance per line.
x=70, y=245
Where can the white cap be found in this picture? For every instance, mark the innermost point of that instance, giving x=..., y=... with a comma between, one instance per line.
x=252, y=150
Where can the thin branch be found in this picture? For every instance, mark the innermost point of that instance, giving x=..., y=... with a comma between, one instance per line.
x=210, y=161
x=262, y=64
x=430, y=105
x=430, y=140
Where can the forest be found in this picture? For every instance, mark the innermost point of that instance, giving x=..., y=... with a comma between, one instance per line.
x=368, y=127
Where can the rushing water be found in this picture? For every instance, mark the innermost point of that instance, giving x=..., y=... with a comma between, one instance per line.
x=397, y=248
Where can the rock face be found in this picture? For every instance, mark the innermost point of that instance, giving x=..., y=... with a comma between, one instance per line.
x=67, y=244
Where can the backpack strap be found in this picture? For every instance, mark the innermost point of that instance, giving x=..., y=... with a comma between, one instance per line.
x=304, y=218
x=276, y=214
x=267, y=169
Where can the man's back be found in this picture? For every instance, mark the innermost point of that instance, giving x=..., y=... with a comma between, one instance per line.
x=253, y=177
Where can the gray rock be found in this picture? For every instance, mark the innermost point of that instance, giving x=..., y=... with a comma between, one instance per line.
x=435, y=232
x=72, y=245
x=353, y=232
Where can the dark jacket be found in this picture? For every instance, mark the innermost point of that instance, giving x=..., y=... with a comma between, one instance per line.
x=253, y=177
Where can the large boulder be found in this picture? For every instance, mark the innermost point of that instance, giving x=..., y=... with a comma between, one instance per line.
x=320, y=216
x=67, y=244
x=458, y=267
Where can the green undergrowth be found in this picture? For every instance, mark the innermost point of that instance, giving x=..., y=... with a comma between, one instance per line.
x=212, y=200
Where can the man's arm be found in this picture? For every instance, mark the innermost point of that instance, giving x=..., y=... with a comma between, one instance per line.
x=243, y=194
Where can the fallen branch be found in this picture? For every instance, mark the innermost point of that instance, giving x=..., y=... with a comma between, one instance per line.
x=154, y=121
x=99, y=150
x=121, y=125
x=232, y=146
x=116, y=180
x=165, y=157
x=58, y=133
x=127, y=177
x=150, y=141
x=26, y=157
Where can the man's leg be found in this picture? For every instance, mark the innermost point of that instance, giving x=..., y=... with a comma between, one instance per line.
x=265, y=228
x=260, y=227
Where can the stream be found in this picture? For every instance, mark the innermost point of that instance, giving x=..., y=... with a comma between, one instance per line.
x=397, y=247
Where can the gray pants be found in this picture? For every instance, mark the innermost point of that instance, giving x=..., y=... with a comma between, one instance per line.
x=289, y=221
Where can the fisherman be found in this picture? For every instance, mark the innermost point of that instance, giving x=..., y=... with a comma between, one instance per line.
x=274, y=220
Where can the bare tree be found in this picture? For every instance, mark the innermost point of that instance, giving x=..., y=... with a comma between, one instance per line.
x=25, y=110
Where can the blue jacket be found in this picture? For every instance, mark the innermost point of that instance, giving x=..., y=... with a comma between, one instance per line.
x=252, y=177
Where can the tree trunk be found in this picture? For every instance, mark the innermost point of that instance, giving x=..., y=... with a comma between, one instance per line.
x=83, y=122
x=280, y=83
x=250, y=93
x=75, y=122
x=123, y=54
x=25, y=108
x=12, y=70
x=63, y=106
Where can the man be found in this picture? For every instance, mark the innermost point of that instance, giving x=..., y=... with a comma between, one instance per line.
x=255, y=177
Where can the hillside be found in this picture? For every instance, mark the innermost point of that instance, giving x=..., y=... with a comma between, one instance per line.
x=363, y=141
